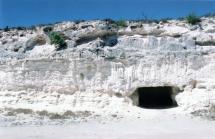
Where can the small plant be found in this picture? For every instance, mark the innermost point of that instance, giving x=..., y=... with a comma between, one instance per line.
x=165, y=20
x=20, y=28
x=78, y=21
x=121, y=23
x=31, y=27
x=109, y=21
x=6, y=29
x=193, y=19
x=57, y=39
x=48, y=29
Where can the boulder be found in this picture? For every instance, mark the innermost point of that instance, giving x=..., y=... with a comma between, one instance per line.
x=37, y=40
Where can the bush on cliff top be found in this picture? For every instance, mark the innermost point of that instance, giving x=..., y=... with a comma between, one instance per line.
x=57, y=39
x=121, y=23
x=193, y=19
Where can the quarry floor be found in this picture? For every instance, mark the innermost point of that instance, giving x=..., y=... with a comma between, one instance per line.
x=127, y=122
x=161, y=128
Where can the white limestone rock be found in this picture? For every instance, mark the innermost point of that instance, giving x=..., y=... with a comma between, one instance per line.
x=98, y=76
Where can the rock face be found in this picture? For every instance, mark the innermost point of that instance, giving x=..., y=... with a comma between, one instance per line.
x=104, y=70
x=35, y=41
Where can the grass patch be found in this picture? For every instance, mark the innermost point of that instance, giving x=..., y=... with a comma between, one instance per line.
x=192, y=19
x=121, y=23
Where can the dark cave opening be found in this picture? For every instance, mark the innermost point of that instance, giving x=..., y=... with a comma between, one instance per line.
x=161, y=97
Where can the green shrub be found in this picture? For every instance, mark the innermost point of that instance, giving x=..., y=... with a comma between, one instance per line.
x=121, y=23
x=193, y=19
x=57, y=39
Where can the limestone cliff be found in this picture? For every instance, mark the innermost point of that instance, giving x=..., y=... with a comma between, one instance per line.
x=103, y=65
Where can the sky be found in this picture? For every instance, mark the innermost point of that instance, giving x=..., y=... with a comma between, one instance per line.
x=32, y=12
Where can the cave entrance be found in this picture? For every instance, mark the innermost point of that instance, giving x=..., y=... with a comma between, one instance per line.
x=160, y=97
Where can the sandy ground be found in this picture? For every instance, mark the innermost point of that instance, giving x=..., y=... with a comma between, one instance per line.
x=130, y=123
x=180, y=128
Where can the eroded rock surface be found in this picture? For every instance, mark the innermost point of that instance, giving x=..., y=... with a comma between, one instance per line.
x=104, y=65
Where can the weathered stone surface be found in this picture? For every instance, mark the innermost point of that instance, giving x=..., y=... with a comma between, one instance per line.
x=99, y=66
x=37, y=40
